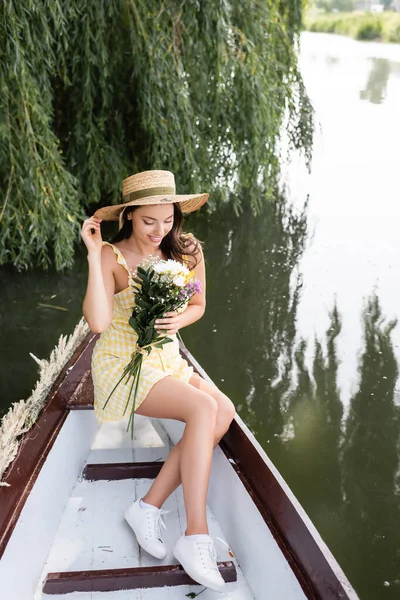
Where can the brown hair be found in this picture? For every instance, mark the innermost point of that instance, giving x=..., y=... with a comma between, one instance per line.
x=174, y=245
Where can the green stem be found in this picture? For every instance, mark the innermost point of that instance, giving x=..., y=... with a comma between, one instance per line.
x=133, y=375
x=114, y=388
x=132, y=415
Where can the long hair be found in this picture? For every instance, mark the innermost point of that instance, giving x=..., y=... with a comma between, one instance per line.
x=174, y=245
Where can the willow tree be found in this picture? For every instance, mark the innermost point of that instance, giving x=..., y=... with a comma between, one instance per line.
x=93, y=91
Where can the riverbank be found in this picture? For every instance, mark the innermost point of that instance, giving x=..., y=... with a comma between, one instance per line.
x=383, y=27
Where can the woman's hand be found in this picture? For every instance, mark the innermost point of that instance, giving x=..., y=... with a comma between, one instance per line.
x=93, y=240
x=169, y=324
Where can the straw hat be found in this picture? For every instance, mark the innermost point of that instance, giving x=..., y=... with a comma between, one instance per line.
x=150, y=187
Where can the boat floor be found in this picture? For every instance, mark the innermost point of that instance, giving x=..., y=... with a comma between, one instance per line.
x=93, y=533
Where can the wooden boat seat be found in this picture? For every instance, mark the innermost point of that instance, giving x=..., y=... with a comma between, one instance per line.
x=94, y=549
x=110, y=580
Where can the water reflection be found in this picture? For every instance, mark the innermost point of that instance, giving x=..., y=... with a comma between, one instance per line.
x=332, y=60
x=375, y=88
x=345, y=470
x=342, y=466
x=315, y=416
x=37, y=307
x=370, y=458
x=256, y=281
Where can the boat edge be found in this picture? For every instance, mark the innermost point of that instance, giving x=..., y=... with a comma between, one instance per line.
x=36, y=443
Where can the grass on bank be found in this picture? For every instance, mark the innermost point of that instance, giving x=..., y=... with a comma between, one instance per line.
x=384, y=27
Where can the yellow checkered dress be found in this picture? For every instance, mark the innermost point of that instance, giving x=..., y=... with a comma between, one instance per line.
x=113, y=351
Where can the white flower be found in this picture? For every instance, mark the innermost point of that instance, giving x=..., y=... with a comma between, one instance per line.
x=160, y=267
x=166, y=269
x=179, y=280
x=173, y=267
x=184, y=270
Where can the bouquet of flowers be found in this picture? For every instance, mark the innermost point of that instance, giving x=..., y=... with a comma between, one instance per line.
x=160, y=286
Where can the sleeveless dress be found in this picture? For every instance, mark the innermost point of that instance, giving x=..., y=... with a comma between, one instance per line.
x=113, y=351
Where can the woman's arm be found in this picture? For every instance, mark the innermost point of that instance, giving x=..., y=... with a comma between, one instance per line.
x=99, y=298
x=190, y=315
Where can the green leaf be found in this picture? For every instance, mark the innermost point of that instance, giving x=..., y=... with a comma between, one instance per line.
x=133, y=323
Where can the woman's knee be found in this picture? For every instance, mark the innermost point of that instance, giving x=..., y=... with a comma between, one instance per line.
x=206, y=406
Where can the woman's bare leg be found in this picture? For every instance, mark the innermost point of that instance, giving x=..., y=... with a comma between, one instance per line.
x=169, y=477
x=174, y=399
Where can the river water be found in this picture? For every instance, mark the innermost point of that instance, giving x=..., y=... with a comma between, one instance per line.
x=301, y=322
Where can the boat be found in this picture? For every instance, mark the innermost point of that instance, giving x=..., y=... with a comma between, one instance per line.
x=62, y=534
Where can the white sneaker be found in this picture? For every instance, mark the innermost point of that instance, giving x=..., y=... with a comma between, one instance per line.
x=147, y=525
x=198, y=557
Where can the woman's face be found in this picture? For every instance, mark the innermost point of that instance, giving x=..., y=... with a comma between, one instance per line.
x=152, y=222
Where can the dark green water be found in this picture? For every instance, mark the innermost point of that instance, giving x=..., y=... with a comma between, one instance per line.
x=301, y=322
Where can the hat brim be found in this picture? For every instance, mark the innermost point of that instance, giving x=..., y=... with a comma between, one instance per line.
x=188, y=202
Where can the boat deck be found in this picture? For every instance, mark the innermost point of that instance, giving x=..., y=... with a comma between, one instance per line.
x=93, y=534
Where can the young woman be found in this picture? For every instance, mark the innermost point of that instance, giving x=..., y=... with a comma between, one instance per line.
x=150, y=222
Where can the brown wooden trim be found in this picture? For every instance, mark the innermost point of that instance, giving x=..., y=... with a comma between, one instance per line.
x=110, y=580
x=82, y=398
x=116, y=471
x=314, y=566
x=38, y=441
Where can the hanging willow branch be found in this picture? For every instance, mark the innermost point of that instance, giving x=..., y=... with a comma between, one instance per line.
x=91, y=92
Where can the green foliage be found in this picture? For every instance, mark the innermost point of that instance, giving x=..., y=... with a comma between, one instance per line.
x=39, y=204
x=91, y=92
x=383, y=26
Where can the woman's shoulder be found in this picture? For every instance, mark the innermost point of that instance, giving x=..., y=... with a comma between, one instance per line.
x=111, y=254
x=108, y=249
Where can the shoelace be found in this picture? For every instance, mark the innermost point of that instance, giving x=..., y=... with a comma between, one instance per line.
x=157, y=524
x=210, y=552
